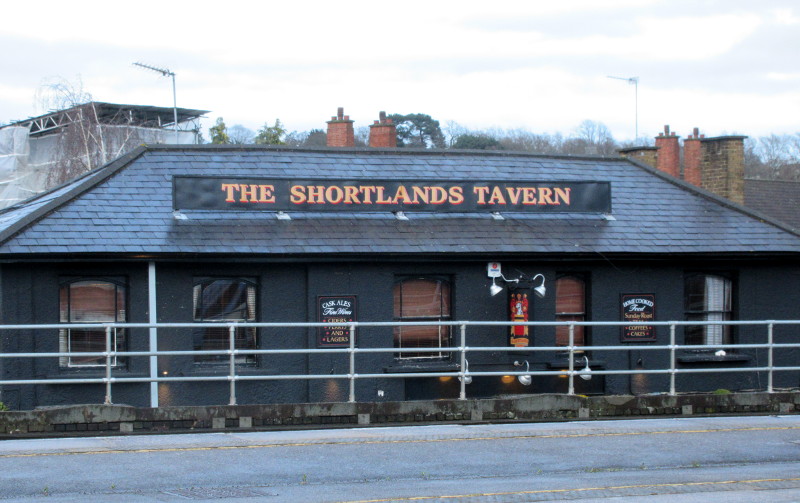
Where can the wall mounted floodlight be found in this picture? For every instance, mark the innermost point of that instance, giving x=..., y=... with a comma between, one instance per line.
x=540, y=290
x=467, y=378
x=494, y=271
x=586, y=373
x=525, y=380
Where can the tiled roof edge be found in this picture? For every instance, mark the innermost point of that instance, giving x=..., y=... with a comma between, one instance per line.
x=715, y=198
x=384, y=151
x=81, y=185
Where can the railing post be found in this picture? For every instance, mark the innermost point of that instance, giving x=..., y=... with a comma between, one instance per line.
x=571, y=390
x=351, y=375
x=672, y=360
x=462, y=350
x=232, y=362
x=108, y=366
x=770, y=342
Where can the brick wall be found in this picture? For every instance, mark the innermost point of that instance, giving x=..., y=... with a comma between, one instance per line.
x=669, y=153
x=722, y=166
x=340, y=130
x=383, y=133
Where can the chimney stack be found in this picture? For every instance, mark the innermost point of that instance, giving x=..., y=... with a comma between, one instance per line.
x=692, y=158
x=340, y=130
x=722, y=166
x=669, y=153
x=383, y=133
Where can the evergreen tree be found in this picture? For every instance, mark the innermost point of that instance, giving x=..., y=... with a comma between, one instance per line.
x=219, y=133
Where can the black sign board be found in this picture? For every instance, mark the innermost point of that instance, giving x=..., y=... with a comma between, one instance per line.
x=258, y=194
x=335, y=309
x=638, y=308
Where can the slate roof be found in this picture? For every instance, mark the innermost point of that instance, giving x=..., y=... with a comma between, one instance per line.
x=125, y=208
x=777, y=198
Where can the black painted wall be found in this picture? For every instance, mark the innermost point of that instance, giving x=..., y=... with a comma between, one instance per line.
x=764, y=289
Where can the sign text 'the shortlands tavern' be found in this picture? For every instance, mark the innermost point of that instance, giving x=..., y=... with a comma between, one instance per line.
x=198, y=193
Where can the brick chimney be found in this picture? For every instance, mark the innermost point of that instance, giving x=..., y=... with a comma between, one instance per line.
x=383, y=132
x=669, y=153
x=722, y=166
x=692, y=158
x=340, y=130
x=646, y=155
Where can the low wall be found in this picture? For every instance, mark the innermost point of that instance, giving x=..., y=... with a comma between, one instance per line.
x=120, y=419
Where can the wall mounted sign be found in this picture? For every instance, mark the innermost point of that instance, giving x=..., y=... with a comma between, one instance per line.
x=518, y=310
x=335, y=309
x=257, y=194
x=638, y=308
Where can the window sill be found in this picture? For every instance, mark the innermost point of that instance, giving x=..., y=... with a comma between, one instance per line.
x=421, y=366
x=712, y=358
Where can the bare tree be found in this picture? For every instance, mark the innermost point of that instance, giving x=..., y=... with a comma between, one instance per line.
x=240, y=135
x=85, y=142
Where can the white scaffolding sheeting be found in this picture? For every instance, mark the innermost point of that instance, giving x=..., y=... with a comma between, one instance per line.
x=19, y=180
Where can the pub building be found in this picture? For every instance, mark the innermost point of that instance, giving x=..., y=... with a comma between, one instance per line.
x=185, y=234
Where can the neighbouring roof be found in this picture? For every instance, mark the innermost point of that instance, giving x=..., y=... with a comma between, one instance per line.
x=775, y=198
x=125, y=208
x=111, y=113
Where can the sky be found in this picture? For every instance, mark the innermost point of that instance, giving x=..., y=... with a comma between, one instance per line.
x=727, y=67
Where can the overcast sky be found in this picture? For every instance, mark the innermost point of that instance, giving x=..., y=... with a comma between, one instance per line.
x=727, y=66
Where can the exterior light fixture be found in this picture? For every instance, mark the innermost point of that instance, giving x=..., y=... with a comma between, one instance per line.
x=400, y=215
x=177, y=215
x=494, y=271
x=586, y=373
x=525, y=380
x=282, y=216
x=540, y=290
x=467, y=378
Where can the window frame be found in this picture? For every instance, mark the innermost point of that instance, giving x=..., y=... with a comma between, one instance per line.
x=727, y=335
x=584, y=315
x=250, y=333
x=65, y=335
x=445, y=333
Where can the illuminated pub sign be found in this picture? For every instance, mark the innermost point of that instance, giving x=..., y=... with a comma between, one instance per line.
x=217, y=193
x=638, y=308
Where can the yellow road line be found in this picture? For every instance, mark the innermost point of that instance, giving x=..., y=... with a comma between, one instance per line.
x=408, y=441
x=579, y=489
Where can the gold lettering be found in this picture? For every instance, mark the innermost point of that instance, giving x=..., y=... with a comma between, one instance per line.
x=380, y=197
x=298, y=194
x=351, y=195
x=266, y=194
x=529, y=195
x=562, y=195
x=401, y=196
x=456, y=195
x=514, y=194
x=368, y=191
x=546, y=196
x=229, y=188
x=316, y=194
x=438, y=195
x=481, y=192
x=420, y=194
x=497, y=196
x=334, y=194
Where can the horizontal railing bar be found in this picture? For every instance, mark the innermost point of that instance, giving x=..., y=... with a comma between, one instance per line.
x=357, y=324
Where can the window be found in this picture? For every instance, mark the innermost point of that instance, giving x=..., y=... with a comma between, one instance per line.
x=708, y=298
x=90, y=301
x=223, y=300
x=422, y=299
x=570, y=306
